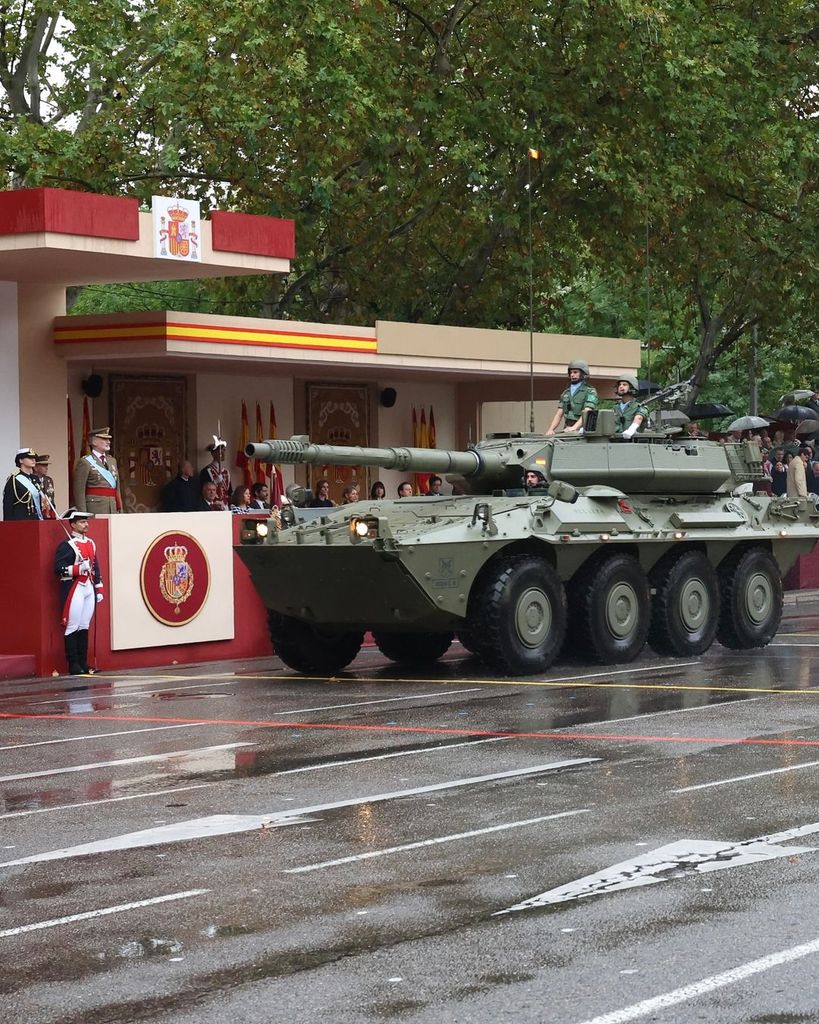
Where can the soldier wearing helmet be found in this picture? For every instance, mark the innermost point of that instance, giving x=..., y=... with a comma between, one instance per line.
x=630, y=415
x=579, y=397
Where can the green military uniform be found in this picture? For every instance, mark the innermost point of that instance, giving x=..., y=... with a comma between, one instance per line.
x=624, y=414
x=96, y=480
x=585, y=397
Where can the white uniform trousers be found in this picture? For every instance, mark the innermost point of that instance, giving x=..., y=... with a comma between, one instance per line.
x=81, y=608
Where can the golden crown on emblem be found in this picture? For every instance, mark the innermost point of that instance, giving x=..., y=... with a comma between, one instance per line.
x=176, y=553
x=177, y=213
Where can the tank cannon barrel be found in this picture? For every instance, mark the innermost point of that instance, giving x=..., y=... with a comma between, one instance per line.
x=410, y=460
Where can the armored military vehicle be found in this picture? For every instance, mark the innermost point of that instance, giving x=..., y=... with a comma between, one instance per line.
x=660, y=538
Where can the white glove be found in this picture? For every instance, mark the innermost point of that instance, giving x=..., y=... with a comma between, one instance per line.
x=99, y=597
x=85, y=567
x=628, y=434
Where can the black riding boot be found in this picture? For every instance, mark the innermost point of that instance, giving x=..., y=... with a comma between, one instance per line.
x=82, y=652
x=72, y=655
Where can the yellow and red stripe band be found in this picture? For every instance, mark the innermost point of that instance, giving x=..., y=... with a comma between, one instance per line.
x=171, y=331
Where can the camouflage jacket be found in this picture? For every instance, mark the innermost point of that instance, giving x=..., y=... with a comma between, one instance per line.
x=624, y=415
x=573, y=404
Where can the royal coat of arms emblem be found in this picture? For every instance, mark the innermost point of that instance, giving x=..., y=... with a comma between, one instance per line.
x=176, y=580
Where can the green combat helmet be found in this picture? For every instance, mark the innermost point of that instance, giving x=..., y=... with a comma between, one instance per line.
x=578, y=364
x=631, y=381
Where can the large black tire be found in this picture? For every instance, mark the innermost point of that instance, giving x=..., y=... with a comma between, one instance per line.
x=413, y=648
x=609, y=604
x=517, y=615
x=685, y=605
x=310, y=651
x=751, y=599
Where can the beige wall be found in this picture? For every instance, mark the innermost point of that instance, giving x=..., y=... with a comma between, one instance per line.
x=43, y=380
x=606, y=356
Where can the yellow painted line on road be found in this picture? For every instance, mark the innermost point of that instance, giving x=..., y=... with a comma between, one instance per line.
x=569, y=684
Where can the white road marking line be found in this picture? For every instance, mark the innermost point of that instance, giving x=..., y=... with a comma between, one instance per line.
x=793, y=645
x=621, y=672
x=431, y=842
x=148, y=691
x=228, y=824
x=669, y=711
x=706, y=985
x=106, y=800
x=102, y=912
x=744, y=778
x=125, y=760
x=386, y=757
x=381, y=700
x=104, y=735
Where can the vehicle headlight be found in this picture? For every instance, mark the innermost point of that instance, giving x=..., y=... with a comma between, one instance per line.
x=261, y=529
x=363, y=528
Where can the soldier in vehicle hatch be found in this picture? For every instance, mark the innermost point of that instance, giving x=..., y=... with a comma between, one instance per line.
x=579, y=397
x=630, y=415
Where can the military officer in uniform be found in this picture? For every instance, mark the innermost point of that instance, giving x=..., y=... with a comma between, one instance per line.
x=75, y=564
x=46, y=485
x=630, y=415
x=579, y=397
x=22, y=498
x=216, y=473
x=96, y=477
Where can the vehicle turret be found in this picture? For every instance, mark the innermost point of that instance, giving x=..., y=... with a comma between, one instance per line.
x=652, y=461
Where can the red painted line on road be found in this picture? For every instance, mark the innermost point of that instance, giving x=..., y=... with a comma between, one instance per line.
x=425, y=729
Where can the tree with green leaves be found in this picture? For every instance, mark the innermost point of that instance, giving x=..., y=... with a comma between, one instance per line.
x=676, y=138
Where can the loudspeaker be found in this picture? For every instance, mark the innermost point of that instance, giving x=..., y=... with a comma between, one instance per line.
x=92, y=386
x=388, y=397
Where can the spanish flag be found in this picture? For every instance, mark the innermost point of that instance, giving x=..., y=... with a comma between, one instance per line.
x=276, y=479
x=260, y=470
x=242, y=461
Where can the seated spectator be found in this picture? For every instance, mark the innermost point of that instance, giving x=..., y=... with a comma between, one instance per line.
x=349, y=496
x=435, y=485
x=210, y=498
x=378, y=491
x=322, y=498
x=405, y=489
x=182, y=494
x=240, y=500
x=261, y=497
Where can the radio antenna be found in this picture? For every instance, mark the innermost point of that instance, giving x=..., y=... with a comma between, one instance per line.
x=533, y=154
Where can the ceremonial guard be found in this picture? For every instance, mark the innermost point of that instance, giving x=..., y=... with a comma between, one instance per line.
x=46, y=485
x=579, y=397
x=76, y=566
x=96, y=477
x=630, y=415
x=21, y=495
x=216, y=473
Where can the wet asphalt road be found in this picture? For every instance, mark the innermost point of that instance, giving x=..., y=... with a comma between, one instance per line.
x=232, y=843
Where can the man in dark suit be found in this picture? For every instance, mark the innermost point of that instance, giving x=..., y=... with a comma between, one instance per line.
x=183, y=493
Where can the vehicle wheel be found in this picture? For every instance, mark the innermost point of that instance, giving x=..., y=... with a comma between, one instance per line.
x=685, y=606
x=517, y=614
x=309, y=650
x=413, y=648
x=751, y=601
x=610, y=608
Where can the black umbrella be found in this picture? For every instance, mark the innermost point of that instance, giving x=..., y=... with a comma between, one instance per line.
x=794, y=413
x=709, y=411
x=647, y=387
